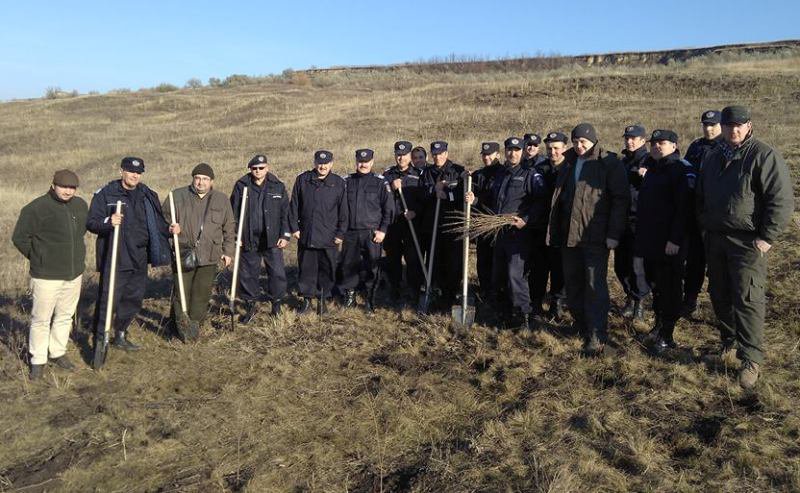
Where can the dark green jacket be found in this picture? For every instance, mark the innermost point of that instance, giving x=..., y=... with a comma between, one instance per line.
x=748, y=191
x=49, y=233
x=218, y=234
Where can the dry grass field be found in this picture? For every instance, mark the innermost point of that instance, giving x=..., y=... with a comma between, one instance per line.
x=392, y=401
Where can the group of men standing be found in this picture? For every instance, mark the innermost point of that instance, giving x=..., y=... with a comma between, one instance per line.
x=664, y=215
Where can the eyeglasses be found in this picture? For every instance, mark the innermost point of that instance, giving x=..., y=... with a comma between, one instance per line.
x=258, y=168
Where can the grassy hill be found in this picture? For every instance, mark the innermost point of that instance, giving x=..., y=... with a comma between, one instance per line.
x=389, y=402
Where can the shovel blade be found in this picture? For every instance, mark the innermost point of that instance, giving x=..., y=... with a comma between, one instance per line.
x=424, y=304
x=463, y=318
x=100, y=353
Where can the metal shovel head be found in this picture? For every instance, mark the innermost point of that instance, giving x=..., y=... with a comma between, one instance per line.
x=463, y=318
x=424, y=304
x=100, y=352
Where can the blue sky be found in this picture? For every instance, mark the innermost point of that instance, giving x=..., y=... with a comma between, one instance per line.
x=93, y=45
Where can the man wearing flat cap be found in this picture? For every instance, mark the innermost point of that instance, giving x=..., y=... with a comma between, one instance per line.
x=399, y=243
x=143, y=240
x=482, y=183
x=587, y=219
x=630, y=276
x=695, y=269
x=265, y=235
x=370, y=207
x=318, y=219
x=49, y=233
x=205, y=227
x=444, y=181
x=744, y=202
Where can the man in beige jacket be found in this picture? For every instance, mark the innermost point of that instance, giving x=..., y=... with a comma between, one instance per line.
x=204, y=224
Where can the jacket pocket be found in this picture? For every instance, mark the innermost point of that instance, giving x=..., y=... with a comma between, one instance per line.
x=755, y=291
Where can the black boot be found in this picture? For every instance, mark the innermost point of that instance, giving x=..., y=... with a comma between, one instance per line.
x=349, y=298
x=250, y=310
x=305, y=305
x=519, y=320
x=664, y=340
x=121, y=342
x=276, y=308
x=369, y=305
x=36, y=372
x=63, y=362
x=627, y=310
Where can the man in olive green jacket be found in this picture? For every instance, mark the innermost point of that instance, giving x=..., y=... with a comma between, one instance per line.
x=205, y=224
x=744, y=201
x=588, y=212
x=49, y=233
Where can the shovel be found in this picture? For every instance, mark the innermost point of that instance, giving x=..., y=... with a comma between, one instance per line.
x=236, y=255
x=414, y=237
x=464, y=313
x=425, y=299
x=178, y=265
x=101, y=347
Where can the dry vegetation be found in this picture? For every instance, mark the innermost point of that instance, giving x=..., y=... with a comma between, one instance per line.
x=391, y=402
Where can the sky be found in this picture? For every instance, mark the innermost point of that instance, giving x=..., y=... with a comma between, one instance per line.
x=100, y=46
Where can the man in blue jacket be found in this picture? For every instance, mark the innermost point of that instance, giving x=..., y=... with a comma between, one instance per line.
x=143, y=239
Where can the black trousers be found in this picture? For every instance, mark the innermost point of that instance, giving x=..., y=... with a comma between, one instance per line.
x=585, y=276
x=128, y=295
x=399, y=246
x=511, y=256
x=665, y=273
x=695, y=272
x=447, y=264
x=359, y=261
x=630, y=277
x=484, y=253
x=317, y=268
x=250, y=269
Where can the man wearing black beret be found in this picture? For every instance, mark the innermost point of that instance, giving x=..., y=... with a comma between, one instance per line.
x=265, y=235
x=204, y=224
x=530, y=154
x=744, y=202
x=587, y=219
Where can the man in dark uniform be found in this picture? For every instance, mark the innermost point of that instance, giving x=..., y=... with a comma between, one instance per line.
x=664, y=204
x=444, y=181
x=530, y=154
x=370, y=210
x=696, y=256
x=482, y=182
x=631, y=275
x=521, y=192
x=318, y=219
x=744, y=201
x=399, y=243
x=265, y=234
x=143, y=238
x=587, y=219
x=549, y=264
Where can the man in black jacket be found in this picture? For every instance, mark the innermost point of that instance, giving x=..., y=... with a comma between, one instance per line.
x=265, y=234
x=370, y=210
x=696, y=255
x=318, y=218
x=142, y=239
x=631, y=275
x=521, y=192
x=444, y=181
x=49, y=233
x=482, y=183
x=530, y=154
x=663, y=207
x=399, y=244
